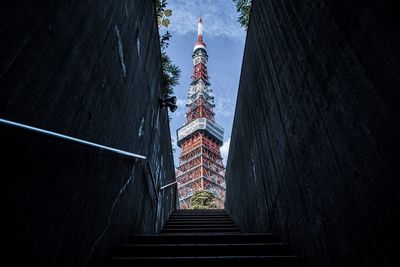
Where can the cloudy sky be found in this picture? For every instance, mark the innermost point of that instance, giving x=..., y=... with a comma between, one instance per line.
x=225, y=44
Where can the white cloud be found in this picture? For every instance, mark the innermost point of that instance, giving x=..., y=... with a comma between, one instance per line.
x=181, y=103
x=225, y=149
x=224, y=105
x=219, y=18
x=173, y=141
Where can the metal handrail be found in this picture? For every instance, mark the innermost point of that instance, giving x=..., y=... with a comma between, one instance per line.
x=167, y=185
x=84, y=142
x=72, y=139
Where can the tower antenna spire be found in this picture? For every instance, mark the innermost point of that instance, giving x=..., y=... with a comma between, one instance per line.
x=199, y=8
x=200, y=27
x=200, y=21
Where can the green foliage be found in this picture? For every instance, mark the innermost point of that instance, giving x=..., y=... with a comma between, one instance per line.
x=162, y=13
x=168, y=12
x=171, y=72
x=165, y=22
x=243, y=7
x=164, y=40
x=202, y=200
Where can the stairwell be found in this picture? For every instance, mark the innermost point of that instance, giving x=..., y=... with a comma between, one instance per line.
x=198, y=237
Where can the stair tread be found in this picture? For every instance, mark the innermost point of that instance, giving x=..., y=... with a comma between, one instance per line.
x=200, y=237
x=199, y=216
x=205, y=225
x=201, y=223
x=194, y=230
x=206, y=234
x=203, y=236
x=205, y=244
x=199, y=220
x=208, y=228
x=211, y=257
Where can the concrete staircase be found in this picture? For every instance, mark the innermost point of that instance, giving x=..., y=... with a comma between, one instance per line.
x=199, y=237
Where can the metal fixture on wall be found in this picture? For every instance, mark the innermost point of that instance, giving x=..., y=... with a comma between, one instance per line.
x=169, y=102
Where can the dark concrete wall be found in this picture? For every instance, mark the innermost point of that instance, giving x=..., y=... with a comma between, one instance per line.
x=315, y=144
x=91, y=70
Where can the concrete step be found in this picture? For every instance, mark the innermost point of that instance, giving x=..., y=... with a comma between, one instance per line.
x=211, y=249
x=200, y=211
x=271, y=261
x=197, y=221
x=196, y=238
x=202, y=230
x=201, y=225
x=201, y=217
x=170, y=223
x=202, y=238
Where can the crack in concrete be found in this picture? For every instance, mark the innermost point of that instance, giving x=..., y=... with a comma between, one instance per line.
x=100, y=237
x=120, y=50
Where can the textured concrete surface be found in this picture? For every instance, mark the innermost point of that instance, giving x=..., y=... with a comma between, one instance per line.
x=91, y=70
x=315, y=144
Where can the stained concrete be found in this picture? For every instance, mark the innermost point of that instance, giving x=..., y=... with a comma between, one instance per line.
x=315, y=144
x=90, y=70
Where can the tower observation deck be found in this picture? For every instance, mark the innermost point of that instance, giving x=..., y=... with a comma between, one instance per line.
x=200, y=138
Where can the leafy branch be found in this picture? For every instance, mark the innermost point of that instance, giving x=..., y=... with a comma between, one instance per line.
x=162, y=13
x=171, y=72
x=243, y=7
x=202, y=199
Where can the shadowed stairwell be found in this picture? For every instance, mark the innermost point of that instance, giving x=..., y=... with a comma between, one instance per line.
x=199, y=237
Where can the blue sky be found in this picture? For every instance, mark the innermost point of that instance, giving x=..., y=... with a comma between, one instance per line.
x=225, y=44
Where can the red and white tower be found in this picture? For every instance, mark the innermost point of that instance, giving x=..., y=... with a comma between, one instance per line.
x=200, y=139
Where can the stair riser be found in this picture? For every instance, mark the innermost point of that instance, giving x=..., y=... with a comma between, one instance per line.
x=202, y=239
x=194, y=262
x=190, y=250
x=184, y=226
x=200, y=213
x=177, y=225
x=201, y=230
x=199, y=222
x=200, y=218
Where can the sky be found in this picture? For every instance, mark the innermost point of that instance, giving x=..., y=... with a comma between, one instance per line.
x=225, y=40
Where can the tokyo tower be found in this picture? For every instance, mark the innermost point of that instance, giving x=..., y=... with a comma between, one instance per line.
x=200, y=138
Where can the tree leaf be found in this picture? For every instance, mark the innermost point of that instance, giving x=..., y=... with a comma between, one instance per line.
x=202, y=200
x=165, y=22
x=168, y=12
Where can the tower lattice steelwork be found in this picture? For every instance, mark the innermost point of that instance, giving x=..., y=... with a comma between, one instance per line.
x=200, y=139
